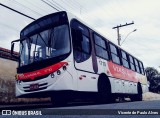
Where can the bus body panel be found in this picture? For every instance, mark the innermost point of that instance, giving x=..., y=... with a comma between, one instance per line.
x=81, y=77
x=64, y=81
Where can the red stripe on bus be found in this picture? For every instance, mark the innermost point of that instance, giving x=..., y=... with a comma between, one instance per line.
x=121, y=72
x=41, y=72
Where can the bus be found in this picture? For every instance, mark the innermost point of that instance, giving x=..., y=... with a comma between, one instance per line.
x=62, y=58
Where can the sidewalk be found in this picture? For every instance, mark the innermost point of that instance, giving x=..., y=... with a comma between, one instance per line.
x=151, y=96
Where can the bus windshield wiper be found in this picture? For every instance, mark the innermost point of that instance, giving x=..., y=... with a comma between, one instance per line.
x=42, y=38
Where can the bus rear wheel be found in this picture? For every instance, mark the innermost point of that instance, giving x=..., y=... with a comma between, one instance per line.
x=137, y=97
x=104, y=90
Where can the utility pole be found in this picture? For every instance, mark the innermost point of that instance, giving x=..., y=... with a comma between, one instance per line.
x=117, y=27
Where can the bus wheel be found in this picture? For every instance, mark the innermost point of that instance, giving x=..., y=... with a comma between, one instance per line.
x=137, y=97
x=104, y=90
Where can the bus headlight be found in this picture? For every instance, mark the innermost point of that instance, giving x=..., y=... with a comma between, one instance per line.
x=19, y=82
x=52, y=75
x=58, y=72
x=64, y=68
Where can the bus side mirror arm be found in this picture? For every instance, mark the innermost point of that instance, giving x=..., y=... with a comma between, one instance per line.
x=12, y=48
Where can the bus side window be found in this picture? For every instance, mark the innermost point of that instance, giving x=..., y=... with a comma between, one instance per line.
x=124, y=59
x=141, y=67
x=81, y=42
x=114, y=54
x=101, y=47
x=132, y=66
x=137, y=65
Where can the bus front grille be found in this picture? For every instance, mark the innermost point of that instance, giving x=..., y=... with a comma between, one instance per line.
x=40, y=87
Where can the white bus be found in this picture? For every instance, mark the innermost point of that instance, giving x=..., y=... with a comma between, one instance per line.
x=63, y=58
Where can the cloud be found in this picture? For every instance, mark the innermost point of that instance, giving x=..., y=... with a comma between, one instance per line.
x=144, y=43
x=101, y=15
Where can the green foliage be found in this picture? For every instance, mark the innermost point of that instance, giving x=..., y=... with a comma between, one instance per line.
x=155, y=84
x=153, y=77
x=150, y=73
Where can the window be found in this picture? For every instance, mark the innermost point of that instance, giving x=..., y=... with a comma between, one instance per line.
x=101, y=47
x=43, y=45
x=114, y=54
x=131, y=62
x=137, y=66
x=81, y=41
x=124, y=59
x=141, y=67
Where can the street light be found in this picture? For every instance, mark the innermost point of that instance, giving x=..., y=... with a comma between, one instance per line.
x=128, y=35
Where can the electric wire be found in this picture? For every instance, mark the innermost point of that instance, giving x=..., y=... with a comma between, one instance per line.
x=16, y=2
x=41, y=14
x=59, y=5
x=36, y=5
x=9, y=27
x=17, y=11
x=50, y=5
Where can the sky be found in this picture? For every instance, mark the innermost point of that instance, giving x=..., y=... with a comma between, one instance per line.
x=101, y=15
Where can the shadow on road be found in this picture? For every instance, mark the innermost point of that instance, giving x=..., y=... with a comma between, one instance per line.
x=49, y=105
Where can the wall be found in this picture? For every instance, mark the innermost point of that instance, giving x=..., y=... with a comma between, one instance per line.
x=7, y=84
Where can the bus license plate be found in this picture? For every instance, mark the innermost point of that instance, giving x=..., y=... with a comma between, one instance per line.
x=34, y=86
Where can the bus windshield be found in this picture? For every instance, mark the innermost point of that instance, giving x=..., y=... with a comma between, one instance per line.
x=45, y=44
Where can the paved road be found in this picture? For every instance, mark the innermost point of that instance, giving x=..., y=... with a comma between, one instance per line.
x=126, y=105
x=143, y=107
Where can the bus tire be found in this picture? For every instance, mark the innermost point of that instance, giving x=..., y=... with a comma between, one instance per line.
x=104, y=90
x=137, y=97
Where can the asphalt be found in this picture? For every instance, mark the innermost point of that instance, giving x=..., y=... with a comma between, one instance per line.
x=112, y=110
x=77, y=110
x=140, y=106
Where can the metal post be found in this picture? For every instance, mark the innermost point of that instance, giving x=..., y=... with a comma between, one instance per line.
x=117, y=27
x=118, y=38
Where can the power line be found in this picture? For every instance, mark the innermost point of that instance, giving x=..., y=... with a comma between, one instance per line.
x=73, y=5
x=76, y=3
x=55, y=5
x=36, y=5
x=59, y=5
x=50, y=5
x=17, y=11
x=69, y=5
x=10, y=27
x=27, y=7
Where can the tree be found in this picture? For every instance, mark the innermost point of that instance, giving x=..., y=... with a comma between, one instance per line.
x=154, y=79
x=155, y=84
x=150, y=73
